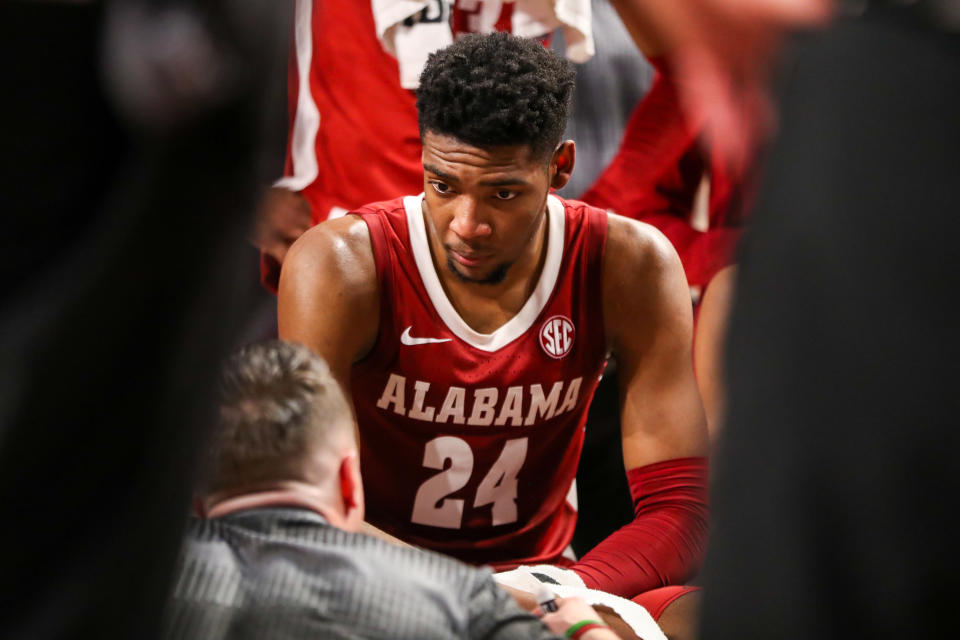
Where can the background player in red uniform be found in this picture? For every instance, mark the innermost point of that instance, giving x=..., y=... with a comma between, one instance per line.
x=471, y=325
x=353, y=64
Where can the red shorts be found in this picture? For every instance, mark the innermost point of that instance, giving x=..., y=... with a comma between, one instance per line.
x=656, y=600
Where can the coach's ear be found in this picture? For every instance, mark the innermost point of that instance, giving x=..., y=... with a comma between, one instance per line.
x=561, y=164
x=351, y=492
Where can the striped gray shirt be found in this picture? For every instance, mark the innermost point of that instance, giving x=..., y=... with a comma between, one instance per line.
x=286, y=573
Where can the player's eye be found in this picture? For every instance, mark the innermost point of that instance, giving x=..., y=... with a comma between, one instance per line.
x=440, y=187
x=506, y=194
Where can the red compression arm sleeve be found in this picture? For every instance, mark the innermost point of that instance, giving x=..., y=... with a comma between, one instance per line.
x=667, y=538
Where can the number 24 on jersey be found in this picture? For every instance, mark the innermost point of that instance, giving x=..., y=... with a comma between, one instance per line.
x=433, y=508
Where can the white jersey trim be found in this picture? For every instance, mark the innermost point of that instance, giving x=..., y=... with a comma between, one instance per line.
x=518, y=324
x=306, y=122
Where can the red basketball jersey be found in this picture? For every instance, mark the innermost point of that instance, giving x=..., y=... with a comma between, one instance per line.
x=470, y=441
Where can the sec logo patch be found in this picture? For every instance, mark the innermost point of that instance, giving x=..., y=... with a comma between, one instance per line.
x=556, y=336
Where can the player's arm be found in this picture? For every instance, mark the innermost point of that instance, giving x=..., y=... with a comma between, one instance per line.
x=329, y=300
x=649, y=323
x=371, y=530
x=709, y=346
x=329, y=296
x=283, y=216
x=642, y=29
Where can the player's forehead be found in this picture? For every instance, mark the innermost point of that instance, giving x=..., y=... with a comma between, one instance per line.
x=445, y=154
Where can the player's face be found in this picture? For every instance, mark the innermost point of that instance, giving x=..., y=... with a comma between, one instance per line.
x=484, y=206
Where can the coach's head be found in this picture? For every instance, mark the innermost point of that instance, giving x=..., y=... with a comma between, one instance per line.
x=285, y=437
x=492, y=110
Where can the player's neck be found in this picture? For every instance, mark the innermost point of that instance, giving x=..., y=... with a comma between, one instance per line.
x=486, y=307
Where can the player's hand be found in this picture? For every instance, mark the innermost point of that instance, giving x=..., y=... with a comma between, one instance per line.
x=283, y=217
x=722, y=52
x=569, y=612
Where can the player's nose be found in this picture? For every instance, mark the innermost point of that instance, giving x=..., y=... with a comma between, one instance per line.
x=467, y=221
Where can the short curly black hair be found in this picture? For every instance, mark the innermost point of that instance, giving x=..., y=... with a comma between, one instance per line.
x=496, y=89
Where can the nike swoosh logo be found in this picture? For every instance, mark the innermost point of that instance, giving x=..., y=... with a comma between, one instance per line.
x=407, y=339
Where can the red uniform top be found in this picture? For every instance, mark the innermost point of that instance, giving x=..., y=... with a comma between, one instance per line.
x=353, y=129
x=469, y=441
x=655, y=176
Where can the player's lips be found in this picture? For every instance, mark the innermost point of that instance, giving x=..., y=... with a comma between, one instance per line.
x=469, y=258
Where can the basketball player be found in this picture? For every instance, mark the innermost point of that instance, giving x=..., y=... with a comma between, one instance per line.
x=471, y=324
x=353, y=64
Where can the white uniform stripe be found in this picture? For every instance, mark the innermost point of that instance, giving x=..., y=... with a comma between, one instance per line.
x=306, y=122
x=518, y=324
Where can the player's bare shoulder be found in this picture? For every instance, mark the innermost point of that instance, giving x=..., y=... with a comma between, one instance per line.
x=335, y=253
x=636, y=253
x=332, y=241
x=329, y=290
x=641, y=273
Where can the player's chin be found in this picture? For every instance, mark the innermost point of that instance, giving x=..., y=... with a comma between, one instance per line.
x=465, y=272
x=480, y=274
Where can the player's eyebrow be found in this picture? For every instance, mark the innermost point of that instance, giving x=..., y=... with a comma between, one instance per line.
x=502, y=182
x=443, y=174
x=505, y=182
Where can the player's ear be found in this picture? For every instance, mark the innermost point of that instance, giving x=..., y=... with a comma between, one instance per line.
x=561, y=164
